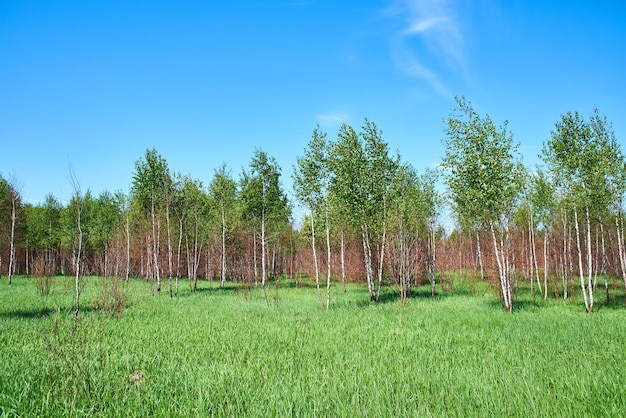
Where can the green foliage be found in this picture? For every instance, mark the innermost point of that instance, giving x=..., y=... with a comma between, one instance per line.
x=223, y=200
x=586, y=162
x=222, y=352
x=69, y=227
x=483, y=171
x=311, y=176
x=151, y=180
x=106, y=218
x=43, y=224
x=261, y=192
x=363, y=173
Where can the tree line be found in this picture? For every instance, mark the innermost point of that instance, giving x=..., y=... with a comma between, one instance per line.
x=370, y=216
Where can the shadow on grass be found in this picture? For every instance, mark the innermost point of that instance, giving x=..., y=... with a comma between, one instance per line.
x=391, y=294
x=28, y=313
x=616, y=302
x=38, y=313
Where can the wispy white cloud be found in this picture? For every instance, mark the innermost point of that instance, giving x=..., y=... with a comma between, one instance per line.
x=424, y=25
x=333, y=118
x=435, y=23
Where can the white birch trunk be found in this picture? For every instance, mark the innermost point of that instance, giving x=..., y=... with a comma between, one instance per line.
x=343, y=262
x=12, y=246
x=534, y=254
x=315, y=265
x=169, y=245
x=589, y=262
x=545, y=265
x=504, y=286
x=155, y=255
x=580, y=261
x=127, y=247
x=78, y=256
x=620, y=245
x=223, y=281
x=367, y=255
x=328, y=257
x=263, y=255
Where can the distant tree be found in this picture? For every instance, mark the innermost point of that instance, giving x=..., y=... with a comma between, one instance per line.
x=105, y=224
x=11, y=200
x=414, y=207
x=311, y=179
x=404, y=222
x=123, y=209
x=583, y=157
x=543, y=201
x=483, y=175
x=151, y=181
x=264, y=202
x=223, y=192
x=429, y=205
x=362, y=176
x=195, y=225
x=75, y=211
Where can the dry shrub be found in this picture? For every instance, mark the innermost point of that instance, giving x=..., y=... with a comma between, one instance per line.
x=113, y=296
x=43, y=285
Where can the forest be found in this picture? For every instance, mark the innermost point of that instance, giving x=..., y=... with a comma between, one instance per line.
x=371, y=217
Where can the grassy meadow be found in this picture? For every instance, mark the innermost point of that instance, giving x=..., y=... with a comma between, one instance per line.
x=239, y=351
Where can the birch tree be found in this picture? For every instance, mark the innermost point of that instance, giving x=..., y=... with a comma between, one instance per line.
x=311, y=180
x=223, y=192
x=196, y=220
x=106, y=218
x=584, y=158
x=483, y=172
x=11, y=198
x=363, y=173
x=75, y=209
x=43, y=229
x=544, y=203
x=264, y=201
x=150, y=181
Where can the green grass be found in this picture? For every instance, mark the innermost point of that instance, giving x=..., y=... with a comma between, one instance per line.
x=236, y=352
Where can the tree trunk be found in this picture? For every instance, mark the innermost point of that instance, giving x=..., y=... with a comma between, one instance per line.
x=381, y=259
x=565, y=255
x=78, y=256
x=256, y=269
x=589, y=262
x=180, y=243
x=432, y=258
x=328, y=257
x=127, y=247
x=369, y=271
x=343, y=262
x=620, y=244
x=545, y=264
x=480, y=256
x=155, y=249
x=315, y=265
x=263, y=254
x=12, y=247
x=534, y=254
x=603, y=270
x=223, y=280
x=502, y=270
x=580, y=262
x=169, y=245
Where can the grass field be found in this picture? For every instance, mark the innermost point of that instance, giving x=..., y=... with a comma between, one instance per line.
x=240, y=352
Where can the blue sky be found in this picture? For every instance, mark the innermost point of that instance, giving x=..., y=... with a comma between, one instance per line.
x=92, y=84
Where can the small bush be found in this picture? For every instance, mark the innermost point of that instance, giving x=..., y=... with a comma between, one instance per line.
x=113, y=296
x=43, y=285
